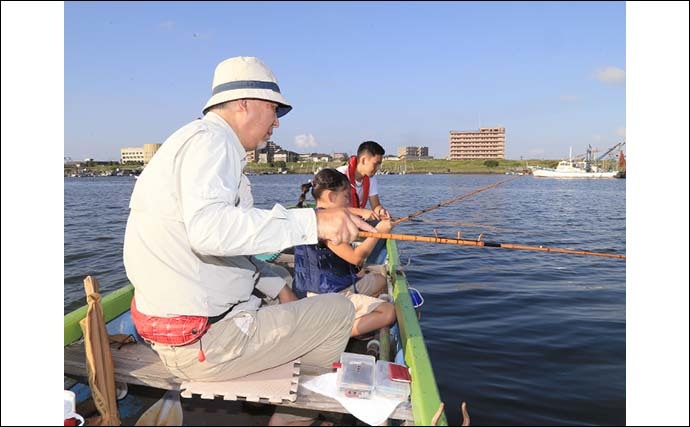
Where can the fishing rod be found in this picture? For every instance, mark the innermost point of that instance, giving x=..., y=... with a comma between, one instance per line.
x=472, y=225
x=479, y=242
x=447, y=202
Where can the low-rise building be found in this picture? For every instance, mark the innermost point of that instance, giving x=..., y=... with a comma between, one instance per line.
x=138, y=154
x=252, y=156
x=286, y=156
x=266, y=154
x=413, y=153
x=315, y=157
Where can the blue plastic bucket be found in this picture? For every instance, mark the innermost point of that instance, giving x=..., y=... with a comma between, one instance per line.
x=416, y=297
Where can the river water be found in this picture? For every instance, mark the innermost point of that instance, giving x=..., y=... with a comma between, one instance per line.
x=525, y=338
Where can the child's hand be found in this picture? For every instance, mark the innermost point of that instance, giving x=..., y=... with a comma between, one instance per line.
x=366, y=214
x=370, y=215
x=385, y=226
x=381, y=212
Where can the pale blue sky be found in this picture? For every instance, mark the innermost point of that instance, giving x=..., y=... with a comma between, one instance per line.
x=399, y=73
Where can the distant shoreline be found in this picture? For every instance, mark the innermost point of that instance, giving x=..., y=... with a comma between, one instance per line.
x=392, y=167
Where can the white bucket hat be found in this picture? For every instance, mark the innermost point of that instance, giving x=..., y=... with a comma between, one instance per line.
x=246, y=77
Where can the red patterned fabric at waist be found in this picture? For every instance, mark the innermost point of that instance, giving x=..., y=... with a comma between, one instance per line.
x=179, y=330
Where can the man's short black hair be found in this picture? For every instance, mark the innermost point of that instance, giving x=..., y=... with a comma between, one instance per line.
x=371, y=147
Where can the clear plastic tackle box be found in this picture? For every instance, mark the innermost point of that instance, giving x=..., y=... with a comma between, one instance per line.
x=356, y=375
x=385, y=386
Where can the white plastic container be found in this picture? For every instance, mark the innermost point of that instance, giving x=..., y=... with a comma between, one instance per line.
x=71, y=416
x=385, y=387
x=356, y=375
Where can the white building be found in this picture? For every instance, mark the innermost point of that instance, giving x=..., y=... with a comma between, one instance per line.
x=138, y=154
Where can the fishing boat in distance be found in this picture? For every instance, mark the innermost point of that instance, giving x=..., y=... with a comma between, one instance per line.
x=583, y=168
x=570, y=169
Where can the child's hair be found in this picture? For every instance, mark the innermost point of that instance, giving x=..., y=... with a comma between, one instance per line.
x=325, y=179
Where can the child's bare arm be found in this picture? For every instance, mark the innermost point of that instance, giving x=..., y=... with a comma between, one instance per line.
x=346, y=252
x=358, y=255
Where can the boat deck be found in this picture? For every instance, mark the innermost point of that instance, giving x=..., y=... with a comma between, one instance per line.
x=138, y=364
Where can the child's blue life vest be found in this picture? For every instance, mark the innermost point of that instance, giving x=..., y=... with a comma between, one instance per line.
x=319, y=270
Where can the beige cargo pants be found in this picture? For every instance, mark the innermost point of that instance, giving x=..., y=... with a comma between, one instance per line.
x=314, y=329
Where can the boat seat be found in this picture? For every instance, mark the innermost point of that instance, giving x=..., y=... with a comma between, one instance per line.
x=138, y=364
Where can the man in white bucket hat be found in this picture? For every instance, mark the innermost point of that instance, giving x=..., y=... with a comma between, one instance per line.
x=192, y=230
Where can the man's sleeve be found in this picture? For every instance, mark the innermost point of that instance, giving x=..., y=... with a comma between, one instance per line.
x=209, y=176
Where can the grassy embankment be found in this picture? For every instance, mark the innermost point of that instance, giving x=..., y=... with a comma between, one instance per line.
x=435, y=166
x=418, y=166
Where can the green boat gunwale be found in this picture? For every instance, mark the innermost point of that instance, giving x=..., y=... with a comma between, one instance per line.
x=114, y=304
x=424, y=394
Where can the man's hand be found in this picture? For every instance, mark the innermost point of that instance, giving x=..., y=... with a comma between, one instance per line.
x=338, y=225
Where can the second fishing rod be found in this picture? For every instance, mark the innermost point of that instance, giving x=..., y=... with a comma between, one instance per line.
x=397, y=221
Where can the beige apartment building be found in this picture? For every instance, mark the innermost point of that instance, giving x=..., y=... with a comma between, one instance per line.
x=485, y=143
x=138, y=154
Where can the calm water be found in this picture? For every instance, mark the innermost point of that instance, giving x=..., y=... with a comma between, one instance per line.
x=525, y=338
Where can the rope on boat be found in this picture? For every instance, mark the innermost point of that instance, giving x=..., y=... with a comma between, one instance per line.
x=465, y=414
x=447, y=202
x=437, y=415
x=479, y=242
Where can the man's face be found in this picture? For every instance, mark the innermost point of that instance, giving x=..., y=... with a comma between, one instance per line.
x=370, y=164
x=260, y=120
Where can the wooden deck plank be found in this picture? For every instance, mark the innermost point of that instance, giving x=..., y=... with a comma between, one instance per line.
x=134, y=364
x=139, y=364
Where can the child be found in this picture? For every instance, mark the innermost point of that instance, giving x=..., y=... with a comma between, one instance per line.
x=327, y=268
x=361, y=172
